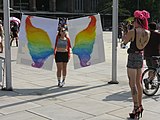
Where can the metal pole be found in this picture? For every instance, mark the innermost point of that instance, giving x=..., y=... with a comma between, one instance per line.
x=20, y=7
x=7, y=45
x=114, y=42
x=138, y=4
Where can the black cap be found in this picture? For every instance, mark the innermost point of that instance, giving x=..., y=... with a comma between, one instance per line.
x=152, y=26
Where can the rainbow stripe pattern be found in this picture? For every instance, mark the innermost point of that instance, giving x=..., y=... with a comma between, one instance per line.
x=39, y=43
x=84, y=42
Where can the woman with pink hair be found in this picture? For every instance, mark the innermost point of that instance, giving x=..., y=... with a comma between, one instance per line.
x=138, y=38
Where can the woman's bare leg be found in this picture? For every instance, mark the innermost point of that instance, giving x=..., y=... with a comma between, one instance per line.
x=59, y=70
x=139, y=85
x=64, y=70
x=132, y=73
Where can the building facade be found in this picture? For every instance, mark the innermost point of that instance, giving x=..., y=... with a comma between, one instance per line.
x=56, y=8
x=53, y=6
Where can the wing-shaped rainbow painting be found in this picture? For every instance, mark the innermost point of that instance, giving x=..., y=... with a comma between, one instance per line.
x=39, y=43
x=84, y=42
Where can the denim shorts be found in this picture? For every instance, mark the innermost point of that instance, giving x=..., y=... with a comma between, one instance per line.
x=135, y=60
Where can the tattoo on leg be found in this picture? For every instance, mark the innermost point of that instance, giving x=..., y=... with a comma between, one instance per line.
x=134, y=91
x=136, y=105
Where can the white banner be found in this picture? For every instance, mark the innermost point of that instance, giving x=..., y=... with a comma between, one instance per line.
x=87, y=41
x=37, y=38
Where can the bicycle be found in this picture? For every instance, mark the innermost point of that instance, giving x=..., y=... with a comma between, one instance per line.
x=151, y=79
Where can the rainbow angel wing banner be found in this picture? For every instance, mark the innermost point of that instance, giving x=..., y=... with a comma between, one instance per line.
x=87, y=41
x=37, y=37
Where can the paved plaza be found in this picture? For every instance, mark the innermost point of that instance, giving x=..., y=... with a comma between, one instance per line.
x=86, y=95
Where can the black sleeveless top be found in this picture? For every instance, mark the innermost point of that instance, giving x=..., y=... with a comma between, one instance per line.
x=133, y=47
x=153, y=46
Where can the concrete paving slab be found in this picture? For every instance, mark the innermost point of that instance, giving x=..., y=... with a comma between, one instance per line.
x=86, y=95
x=152, y=106
x=41, y=100
x=124, y=113
x=147, y=115
x=105, y=117
x=23, y=115
x=96, y=89
x=12, y=104
x=57, y=112
x=90, y=106
x=71, y=96
x=117, y=99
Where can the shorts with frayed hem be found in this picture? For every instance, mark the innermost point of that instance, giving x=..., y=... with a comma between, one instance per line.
x=135, y=60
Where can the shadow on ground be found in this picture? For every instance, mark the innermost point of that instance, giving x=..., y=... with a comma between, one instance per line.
x=44, y=93
x=119, y=96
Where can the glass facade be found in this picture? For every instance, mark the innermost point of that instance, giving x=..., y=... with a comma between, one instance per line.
x=71, y=6
x=79, y=5
x=42, y=5
x=62, y=5
x=20, y=4
x=1, y=4
x=94, y=4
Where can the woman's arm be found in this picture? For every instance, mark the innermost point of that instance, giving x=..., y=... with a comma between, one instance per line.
x=127, y=38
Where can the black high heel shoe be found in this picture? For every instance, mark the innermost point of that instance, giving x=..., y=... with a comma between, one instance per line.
x=135, y=114
x=141, y=110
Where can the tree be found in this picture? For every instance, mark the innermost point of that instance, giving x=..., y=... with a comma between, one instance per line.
x=105, y=7
x=127, y=7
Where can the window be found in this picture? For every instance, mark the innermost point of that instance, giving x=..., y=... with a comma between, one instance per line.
x=42, y=5
x=21, y=4
x=1, y=4
x=62, y=5
x=78, y=5
x=94, y=5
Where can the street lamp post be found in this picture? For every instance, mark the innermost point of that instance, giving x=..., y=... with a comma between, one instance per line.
x=20, y=7
x=114, y=42
x=138, y=4
x=7, y=45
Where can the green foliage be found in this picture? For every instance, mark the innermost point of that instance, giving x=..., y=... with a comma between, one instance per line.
x=130, y=19
x=105, y=7
x=127, y=7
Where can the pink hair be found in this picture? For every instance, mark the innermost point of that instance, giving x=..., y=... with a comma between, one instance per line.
x=142, y=16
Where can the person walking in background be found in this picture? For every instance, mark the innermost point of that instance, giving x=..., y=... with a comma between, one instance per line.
x=152, y=50
x=120, y=32
x=14, y=33
x=138, y=38
x=62, y=55
x=125, y=29
x=1, y=37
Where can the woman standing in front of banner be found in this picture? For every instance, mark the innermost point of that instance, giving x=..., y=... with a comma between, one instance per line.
x=138, y=38
x=62, y=55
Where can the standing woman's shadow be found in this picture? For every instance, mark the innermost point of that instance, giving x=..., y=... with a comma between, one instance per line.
x=119, y=96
